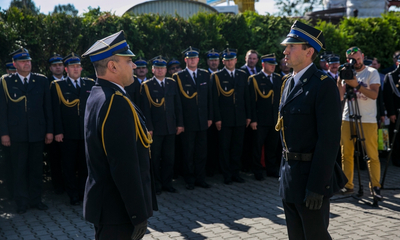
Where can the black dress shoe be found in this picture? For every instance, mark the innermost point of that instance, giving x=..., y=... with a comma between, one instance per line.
x=203, y=185
x=40, y=206
x=237, y=179
x=228, y=181
x=74, y=201
x=170, y=189
x=21, y=209
x=189, y=186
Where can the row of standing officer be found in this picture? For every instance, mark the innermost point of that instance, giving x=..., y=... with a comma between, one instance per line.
x=189, y=102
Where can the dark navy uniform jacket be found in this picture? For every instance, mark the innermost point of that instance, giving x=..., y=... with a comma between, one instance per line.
x=134, y=91
x=392, y=102
x=198, y=109
x=31, y=118
x=232, y=110
x=264, y=111
x=68, y=120
x=312, y=121
x=244, y=68
x=162, y=120
x=118, y=188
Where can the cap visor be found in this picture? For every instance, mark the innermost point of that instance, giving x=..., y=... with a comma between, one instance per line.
x=291, y=40
x=127, y=53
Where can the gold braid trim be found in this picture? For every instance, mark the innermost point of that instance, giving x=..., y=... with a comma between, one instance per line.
x=265, y=96
x=151, y=102
x=61, y=98
x=3, y=81
x=220, y=90
x=145, y=138
x=183, y=92
x=279, y=125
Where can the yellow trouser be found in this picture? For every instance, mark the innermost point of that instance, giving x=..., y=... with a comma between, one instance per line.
x=371, y=147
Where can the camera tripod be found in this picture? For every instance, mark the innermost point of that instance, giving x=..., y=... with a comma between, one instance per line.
x=357, y=135
x=390, y=150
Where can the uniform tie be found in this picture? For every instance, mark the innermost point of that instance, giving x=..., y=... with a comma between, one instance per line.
x=26, y=83
x=232, y=75
x=162, y=85
x=194, y=78
x=253, y=71
x=78, y=88
x=291, y=85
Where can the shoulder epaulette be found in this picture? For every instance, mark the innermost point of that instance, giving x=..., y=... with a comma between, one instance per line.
x=204, y=70
x=175, y=74
x=86, y=78
x=168, y=78
x=5, y=75
x=277, y=74
x=286, y=76
x=240, y=70
x=39, y=74
x=57, y=80
x=148, y=80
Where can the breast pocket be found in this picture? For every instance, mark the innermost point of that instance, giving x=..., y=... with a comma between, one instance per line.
x=15, y=93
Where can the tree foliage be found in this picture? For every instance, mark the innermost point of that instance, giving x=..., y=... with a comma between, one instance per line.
x=296, y=7
x=27, y=5
x=68, y=9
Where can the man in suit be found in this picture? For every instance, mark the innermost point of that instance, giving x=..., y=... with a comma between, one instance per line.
x=231, y=106
x=53, y=156
x=309, y=120
x=265, y=89
x=195, y=94
x=134, y=89
x=26, y=123
x=118, y=195
x=69, y=97
x=251, y=59
x=163, y=111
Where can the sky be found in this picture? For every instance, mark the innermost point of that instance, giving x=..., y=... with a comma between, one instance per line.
x=120, y=6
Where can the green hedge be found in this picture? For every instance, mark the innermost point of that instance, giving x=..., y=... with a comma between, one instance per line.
x=151, y=35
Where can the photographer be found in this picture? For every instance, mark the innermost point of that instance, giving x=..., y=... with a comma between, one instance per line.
x=365, y=84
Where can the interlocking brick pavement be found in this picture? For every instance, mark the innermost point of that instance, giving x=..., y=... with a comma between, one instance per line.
x=250, y=210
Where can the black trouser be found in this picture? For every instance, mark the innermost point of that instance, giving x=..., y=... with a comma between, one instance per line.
x=115, y=231
x=231, y=146
x=267, y=136
x=54, y=158
x=27, y=164
x=74, y=160
x=247, y=154
x=305, y=224
x=212, y=150
x=178, y=162
x=194, y=145
x=162, y=155
x=8, y=170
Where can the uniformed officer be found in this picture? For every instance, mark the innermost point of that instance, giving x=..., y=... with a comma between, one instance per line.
x=163, y=110
x=118, y=195
x=69, y=97
x=26, y=123
x=265, y=89
x=134, y=89
x=231, y=105
x=195, y=94
x=10, y=68
x=391, y=96
x=53, y=156
x=56, y=67
x=173, y=66
x=309, y=120
x=212, y=60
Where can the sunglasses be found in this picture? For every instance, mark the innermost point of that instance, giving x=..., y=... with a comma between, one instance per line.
x=352, y=50
x=173, y=68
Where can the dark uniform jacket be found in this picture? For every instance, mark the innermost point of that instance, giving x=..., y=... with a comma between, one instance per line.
x=68, y=117
x=264, y=108
x=197, y=110
x=118, y=189
x=164, y=119
x=244, y=68
x=134, y=91
x=312, y=121
x=232, y=109
x=25, y=114
x=392, y=102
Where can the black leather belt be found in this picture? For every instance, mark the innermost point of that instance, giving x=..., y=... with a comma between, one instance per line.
x=297, y=156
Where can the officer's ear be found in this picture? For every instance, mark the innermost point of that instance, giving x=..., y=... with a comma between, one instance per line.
x=111, y=66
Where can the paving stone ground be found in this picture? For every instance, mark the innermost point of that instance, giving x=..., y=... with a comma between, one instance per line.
x=250, y=210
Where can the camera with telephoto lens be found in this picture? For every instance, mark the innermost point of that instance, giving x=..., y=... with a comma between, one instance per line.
x=348, y=72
